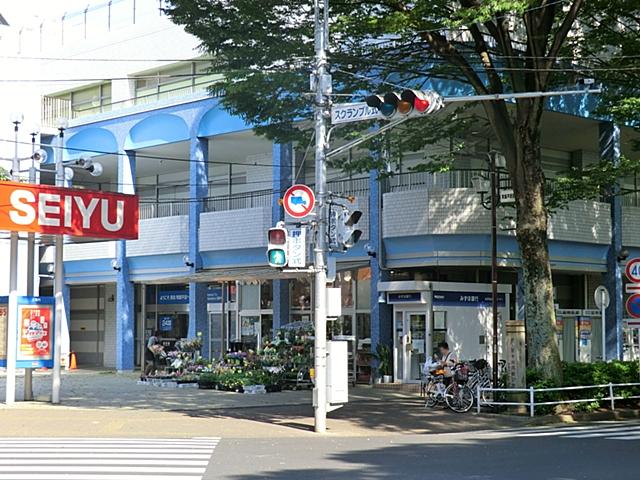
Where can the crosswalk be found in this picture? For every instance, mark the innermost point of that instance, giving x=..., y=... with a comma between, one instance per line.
x=105, y=458
x=622, y=431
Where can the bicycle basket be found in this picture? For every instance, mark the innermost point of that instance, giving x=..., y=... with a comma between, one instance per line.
x=462, y=374
x=439, y=371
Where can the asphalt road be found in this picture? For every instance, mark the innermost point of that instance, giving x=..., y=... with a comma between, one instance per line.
x=598, y=451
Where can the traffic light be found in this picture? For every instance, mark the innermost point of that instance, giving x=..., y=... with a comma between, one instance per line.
x=412, y=103
x=277, y=246
x=347, y=235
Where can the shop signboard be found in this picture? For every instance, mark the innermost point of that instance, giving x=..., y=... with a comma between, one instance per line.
x=35, y=332
x=466, y=299
x=68, y=211
x=404, y=297
x=4, y=317
x=179, y=297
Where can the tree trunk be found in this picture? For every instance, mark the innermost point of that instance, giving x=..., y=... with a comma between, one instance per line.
x=531, y=230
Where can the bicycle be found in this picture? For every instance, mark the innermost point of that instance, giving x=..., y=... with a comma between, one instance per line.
x=457, y=396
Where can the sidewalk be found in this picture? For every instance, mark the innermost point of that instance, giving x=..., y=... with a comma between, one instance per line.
x=108, y=404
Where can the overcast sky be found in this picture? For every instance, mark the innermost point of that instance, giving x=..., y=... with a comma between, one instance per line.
x=17, y=12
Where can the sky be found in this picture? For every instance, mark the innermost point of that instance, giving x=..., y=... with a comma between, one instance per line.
x=19, y=11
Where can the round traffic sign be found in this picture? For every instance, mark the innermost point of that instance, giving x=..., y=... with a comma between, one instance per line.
x=633, y=305
x=299, y=201
x=632, y=270
x=601, y=296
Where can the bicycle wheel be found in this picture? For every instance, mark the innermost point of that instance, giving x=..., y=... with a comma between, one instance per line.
x=459, y=398
x=431, y=397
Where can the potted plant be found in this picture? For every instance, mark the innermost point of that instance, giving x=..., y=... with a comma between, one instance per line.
x=383, y=356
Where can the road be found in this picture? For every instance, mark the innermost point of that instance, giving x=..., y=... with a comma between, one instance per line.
x=598, y=451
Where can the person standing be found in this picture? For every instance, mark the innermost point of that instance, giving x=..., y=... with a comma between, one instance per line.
x=151, y=353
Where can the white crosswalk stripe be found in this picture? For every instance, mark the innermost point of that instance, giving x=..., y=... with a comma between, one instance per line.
x=105, y=458
x=628, y=431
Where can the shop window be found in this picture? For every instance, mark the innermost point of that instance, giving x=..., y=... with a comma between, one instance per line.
x=249, y=299
x=344, y=281
x=341, y=326
x=232, y=293
x=267, y=328
x=363, y=329
x=363, y=289
x=300, y=294
x=439, y=330
x=266, y=295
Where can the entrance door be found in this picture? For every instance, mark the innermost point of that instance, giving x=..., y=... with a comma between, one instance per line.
x=250, y=331
x=410, y=345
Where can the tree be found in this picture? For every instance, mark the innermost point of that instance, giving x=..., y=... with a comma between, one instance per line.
x=264, y=50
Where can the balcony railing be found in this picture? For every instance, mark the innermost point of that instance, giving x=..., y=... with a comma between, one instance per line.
x=54, y=107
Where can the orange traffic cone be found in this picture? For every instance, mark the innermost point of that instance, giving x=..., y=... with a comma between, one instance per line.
x=72, y=361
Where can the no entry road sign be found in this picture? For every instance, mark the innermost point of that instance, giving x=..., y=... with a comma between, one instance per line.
x=299, y=201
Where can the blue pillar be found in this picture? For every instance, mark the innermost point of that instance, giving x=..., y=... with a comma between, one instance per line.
x=282, y=179
x=610, y=150
x=381, y=313
x=125, y=298
x=198, y=190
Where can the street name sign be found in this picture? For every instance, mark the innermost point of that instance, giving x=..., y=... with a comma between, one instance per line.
x=299, y=201
x=67, y=211
x=353, y=112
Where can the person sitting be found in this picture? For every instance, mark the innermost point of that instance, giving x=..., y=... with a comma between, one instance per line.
x=447, y=361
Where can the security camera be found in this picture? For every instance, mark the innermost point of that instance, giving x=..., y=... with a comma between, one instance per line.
x=623, y=255
x=371, y=251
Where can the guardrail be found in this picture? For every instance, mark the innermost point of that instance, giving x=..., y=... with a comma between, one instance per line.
x=531, y=404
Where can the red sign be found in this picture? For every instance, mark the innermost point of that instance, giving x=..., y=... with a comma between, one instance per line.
x=35, y=333
x=632, y=270
x=299, y=201
x=68, y=211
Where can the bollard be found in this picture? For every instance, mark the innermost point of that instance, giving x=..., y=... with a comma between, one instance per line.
x=532, y=405
x=613, y=402
x=478, y=398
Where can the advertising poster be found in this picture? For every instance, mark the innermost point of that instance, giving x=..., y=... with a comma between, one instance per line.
x=4, y=309
x=35, y=332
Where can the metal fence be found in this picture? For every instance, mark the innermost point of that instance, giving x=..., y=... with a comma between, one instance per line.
x=163, y=209
x=238, y=201
x=531, y=392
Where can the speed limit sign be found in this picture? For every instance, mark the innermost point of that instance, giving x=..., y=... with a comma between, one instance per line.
x=632, y=271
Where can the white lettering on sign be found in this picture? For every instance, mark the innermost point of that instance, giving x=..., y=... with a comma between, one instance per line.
x=50, y=213
x=24, y=214
x=44, y=209
x=86, y=210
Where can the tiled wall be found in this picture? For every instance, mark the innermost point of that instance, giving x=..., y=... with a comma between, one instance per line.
x=158, y=236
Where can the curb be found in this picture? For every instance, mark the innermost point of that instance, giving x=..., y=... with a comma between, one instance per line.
x=626, y=414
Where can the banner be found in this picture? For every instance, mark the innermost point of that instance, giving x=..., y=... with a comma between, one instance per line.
x=68, y=211
x=4, y=318
x=35, y=332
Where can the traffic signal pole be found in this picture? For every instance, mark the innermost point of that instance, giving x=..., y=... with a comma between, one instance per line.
x=322, y=114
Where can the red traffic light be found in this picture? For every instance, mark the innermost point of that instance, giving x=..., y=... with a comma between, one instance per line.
x=277, y=236
x=416, y=98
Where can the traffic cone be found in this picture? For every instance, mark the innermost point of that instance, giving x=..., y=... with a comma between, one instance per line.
x=72, y=361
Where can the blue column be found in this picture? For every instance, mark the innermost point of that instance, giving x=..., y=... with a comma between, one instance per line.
x=282, y=179
x=198, y=190
x=610, y=150
x=125, y=298
x=381, y=313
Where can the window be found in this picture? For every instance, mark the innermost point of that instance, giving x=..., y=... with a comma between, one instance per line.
x=250, y=297
x=266, y=295
x=300, y=297
x=363, y=289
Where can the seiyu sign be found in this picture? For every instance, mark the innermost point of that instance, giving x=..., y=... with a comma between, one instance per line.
x=67, y=211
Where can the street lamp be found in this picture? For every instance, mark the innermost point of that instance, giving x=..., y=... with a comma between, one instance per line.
x=489, y=191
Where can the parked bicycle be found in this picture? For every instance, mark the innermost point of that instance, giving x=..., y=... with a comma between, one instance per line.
x=457, y=396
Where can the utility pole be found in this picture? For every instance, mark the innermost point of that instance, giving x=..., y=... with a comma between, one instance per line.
x=322, y=114
x=12, y=320
x=494, y=263
x=58, y=279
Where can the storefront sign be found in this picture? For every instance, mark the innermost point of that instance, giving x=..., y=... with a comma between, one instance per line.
x=404, y=297
x=35, y=332
x=180, y=297
x=466, y=299
x=67, y=211
x=4, y=317
x=173, y=297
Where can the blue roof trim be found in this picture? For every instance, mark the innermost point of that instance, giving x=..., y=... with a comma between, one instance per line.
x=92, y=140
x=157, y=129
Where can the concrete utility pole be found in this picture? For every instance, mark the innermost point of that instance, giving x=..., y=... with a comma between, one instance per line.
x=322, y=83
x=12, y=320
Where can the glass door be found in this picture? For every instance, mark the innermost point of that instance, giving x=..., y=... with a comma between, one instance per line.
x=250, y=332
x=415, y=325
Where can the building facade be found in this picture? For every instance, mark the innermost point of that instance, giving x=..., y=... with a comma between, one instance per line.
x=209, y=190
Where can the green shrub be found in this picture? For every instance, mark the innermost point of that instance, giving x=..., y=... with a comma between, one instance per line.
x=576, y=374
